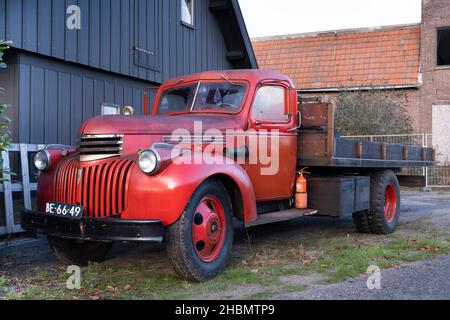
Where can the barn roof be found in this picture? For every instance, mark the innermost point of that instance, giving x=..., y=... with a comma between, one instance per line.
x=231, y=22
x=357, y=58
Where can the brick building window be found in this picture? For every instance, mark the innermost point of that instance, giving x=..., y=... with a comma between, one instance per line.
x=443, y=47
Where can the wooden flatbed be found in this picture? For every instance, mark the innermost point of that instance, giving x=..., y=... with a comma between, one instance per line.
x=319, y=145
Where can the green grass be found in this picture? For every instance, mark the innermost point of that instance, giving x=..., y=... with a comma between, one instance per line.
x=351, y=259
x=3, y=282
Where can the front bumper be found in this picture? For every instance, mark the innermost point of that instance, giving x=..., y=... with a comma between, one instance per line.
x=93, y=229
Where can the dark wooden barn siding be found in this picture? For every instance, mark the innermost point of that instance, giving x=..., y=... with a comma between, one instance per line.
x=54, y=98
x=110, y=30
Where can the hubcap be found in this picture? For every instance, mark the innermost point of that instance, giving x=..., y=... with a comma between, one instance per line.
x=390, y=203
x=208, y=229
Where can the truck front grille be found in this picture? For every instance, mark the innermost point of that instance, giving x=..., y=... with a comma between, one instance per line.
x=96, y=147
x=100, y=189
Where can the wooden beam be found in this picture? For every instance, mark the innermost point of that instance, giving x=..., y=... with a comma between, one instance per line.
x=235, y=56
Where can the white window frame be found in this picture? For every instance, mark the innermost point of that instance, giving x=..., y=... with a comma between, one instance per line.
x=189, y=24
x=110, y=109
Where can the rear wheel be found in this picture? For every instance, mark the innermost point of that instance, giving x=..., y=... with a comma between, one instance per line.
x=199, y=243
x=79, y=253
x=384, y=202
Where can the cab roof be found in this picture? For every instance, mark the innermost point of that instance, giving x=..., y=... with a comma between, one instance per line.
x=253, y=76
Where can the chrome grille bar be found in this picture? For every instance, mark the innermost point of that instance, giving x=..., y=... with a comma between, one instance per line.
x=96, y=147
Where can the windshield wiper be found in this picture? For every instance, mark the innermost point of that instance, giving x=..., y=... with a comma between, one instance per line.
x=228, y=80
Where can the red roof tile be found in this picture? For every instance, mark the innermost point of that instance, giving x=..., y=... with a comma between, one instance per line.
x=383, y=57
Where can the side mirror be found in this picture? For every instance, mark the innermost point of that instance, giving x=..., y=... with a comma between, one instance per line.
x=128, y=111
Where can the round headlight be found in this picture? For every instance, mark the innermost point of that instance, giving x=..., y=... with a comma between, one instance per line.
x=42, y=160
x=149, y=161
x=128, y=111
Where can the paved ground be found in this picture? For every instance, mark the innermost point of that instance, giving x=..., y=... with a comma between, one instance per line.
x=428, y=279
x=421, y=280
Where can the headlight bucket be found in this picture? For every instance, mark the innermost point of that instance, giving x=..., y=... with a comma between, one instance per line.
x=42, y=160
x=149, y=161
x=128, y=111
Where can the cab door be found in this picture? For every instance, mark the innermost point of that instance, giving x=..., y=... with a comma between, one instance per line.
x=272, y=141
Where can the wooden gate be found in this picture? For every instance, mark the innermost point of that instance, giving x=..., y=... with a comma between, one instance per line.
x=23, y=185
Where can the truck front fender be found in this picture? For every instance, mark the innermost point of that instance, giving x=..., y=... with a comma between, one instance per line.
x=164, y=196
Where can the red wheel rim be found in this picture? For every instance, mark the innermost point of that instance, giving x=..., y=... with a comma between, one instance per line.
x=208, y=229
x=390, y=202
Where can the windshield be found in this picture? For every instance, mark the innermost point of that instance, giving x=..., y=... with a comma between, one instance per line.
x=202, y=96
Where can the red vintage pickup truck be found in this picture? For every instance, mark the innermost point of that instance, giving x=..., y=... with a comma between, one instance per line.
x=215, y=148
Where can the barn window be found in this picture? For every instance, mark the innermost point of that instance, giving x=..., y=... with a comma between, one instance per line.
x=110, y=108
x=443, y=47
x=187, y=12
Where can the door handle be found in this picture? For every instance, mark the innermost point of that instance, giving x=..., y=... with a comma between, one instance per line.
x=237, y=152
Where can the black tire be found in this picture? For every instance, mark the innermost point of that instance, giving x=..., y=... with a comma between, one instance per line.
x=380, y=182
x=79, y=253
x=179, y=236
x=361, y=220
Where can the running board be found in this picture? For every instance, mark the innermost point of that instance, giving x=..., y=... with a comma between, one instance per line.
x=280, y=216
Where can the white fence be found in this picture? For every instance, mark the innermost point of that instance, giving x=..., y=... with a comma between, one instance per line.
x=438, y=176
x=13, y=184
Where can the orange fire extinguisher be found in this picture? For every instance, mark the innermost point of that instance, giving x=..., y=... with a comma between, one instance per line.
x=301, y=193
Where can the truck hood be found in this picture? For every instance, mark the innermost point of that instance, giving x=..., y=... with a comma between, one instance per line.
x=156, y=124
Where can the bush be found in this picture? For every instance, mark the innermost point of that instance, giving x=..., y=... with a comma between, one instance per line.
x=371, y=112
x=4, y=120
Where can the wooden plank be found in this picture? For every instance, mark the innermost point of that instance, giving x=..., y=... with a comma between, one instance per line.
x=280, y=216
x=44, y=27
x=25, y=176
x=17, y=187
x=13, y=147
x=58, y=29
x=88, y=98
x=24, y=102
x=76, y=106
x=115, y=25
x=33, y=147
x=94, y=39
x=64, y=108
x=125, y=40
x=105, y=32
x=84, y=32
x=7, y=193
x=14, y=22
x=71, y=39
x=50, y=107
x=30, y=26
x=37, y=105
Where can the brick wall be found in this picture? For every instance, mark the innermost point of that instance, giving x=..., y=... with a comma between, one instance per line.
x=436, y=80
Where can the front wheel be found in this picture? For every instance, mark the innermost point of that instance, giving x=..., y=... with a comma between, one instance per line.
x=199, y=243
